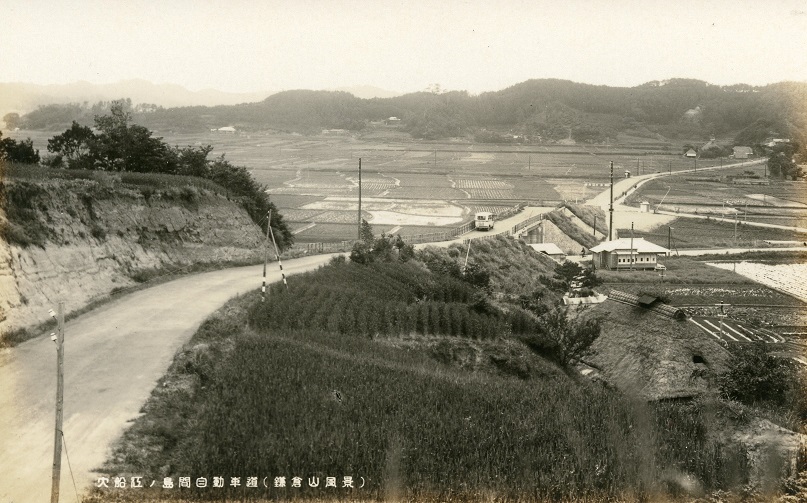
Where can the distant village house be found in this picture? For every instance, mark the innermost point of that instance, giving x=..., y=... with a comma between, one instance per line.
x=743, y=152
x=691, y=153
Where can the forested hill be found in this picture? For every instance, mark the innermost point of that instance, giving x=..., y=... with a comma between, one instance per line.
x=540, y=110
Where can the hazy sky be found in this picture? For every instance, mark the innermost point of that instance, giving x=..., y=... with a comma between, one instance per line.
x=271, y=45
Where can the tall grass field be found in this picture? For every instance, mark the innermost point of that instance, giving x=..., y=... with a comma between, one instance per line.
x=320, y=393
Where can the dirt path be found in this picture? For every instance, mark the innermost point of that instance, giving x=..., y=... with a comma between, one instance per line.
x=113, y=357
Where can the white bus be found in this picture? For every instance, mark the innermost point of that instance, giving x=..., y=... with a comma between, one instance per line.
x=483, y=220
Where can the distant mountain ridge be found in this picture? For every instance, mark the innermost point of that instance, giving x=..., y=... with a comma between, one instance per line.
x=537, y=110
x=24, y=97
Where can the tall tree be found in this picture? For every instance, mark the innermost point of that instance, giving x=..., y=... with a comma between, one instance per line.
x=781, y=161
x=18, y=151
x=121, y=146
x=73, y=146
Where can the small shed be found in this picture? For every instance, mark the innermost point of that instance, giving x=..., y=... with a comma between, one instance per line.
x=644, y=207
x=691, y=153
x=550, y=249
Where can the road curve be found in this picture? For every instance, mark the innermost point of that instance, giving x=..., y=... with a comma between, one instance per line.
x=628, y=185
x=114, y=356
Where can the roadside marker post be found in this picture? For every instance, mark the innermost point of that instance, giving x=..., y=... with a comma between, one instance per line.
x=279, y=263
x=722, y=314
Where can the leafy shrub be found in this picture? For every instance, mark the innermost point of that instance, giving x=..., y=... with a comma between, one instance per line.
x=756, y=376
x=97, y=231
x=563, y=338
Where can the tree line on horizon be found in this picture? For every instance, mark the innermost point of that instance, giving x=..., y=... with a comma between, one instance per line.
x=538, y=110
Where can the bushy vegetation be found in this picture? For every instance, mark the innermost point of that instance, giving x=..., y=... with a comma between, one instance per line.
x=18, y=151
x=563, y=337
x=21, y=201
x=382, y=249
x=384, y=299
x=757, y=377
x=569, y=272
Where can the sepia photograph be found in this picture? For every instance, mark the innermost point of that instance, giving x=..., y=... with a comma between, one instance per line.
x=429, y=251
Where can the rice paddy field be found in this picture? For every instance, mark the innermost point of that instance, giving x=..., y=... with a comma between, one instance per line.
x=704, y=233
x=780, y=202
x=301, y=170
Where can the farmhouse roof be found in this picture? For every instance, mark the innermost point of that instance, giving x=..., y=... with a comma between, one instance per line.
x=649, y=355
x=623, y=245
x=548, y=248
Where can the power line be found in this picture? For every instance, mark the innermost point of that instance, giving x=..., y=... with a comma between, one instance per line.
x=70, y=466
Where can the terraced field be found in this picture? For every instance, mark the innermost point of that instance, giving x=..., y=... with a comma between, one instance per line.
x=298, y=170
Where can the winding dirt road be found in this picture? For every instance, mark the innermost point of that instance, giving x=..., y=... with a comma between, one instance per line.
x=114, y=356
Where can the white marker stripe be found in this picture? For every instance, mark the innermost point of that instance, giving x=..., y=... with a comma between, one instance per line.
x=705, y=329
x=718, y=330
x=760, y=333
x=736, y=332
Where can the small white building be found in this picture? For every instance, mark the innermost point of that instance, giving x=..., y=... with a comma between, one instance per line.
x=619, y=254
x=691, y=153
x=226, y=129
x=644, y=207
x=550, y=249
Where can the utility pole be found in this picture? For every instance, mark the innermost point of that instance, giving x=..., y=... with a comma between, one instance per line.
x=735, y=230
x=359, y=230
x=631, y=246
x=638, y=168
x=669, y=238
x=670, y=167
x=57, y=441
x=594, y=233
x=611, y=208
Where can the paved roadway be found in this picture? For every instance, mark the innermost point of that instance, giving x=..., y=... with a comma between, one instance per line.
x=114, y=356
x=628, y=185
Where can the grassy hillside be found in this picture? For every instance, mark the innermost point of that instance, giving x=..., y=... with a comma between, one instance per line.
x=514, y=267
x=295, y=387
